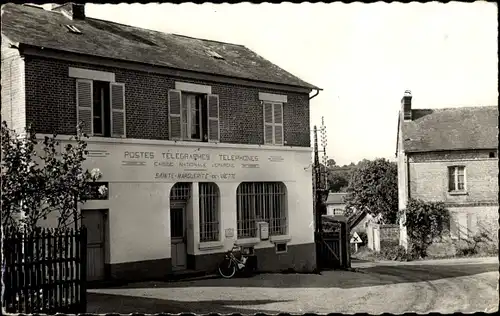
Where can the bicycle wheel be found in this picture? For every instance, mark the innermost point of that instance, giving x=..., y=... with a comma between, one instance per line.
x=227, y=269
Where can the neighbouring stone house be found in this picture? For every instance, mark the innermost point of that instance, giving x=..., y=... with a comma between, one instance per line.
x=202, y=144
x=335, y=205
x=450, y=155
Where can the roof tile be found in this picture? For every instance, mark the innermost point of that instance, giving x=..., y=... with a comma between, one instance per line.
x=42, y=28
x=451, y=129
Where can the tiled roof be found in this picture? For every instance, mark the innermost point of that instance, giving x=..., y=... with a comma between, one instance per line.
x=336, y=198
x=41, y=28
x=451, y=129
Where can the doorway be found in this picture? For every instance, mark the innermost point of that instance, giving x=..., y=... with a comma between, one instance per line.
x=95, y=222
x=179, y=198
x=178, y=237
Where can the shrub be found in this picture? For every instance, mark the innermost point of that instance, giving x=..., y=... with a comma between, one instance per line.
x=364, y=238
x=473, y=246
x=395, y=253
x=424, y=222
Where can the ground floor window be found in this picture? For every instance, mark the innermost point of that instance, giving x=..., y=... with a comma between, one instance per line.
x=261, y=202
x=209, y=211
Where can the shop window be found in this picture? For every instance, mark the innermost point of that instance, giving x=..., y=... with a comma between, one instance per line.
x=261, y=202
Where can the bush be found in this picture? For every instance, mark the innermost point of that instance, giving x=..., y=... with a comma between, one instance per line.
x=397, y=253
x=425, y=221
x=364, y=238
x=480, y=243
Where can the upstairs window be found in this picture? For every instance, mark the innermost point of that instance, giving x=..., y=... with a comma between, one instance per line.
x=456, y=179
x=193, y=116
x=101, y=107
x=273, y=123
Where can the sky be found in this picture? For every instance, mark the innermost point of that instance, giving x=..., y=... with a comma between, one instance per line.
x=363, y=56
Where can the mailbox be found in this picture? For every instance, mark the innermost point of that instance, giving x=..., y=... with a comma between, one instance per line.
x=263, y=230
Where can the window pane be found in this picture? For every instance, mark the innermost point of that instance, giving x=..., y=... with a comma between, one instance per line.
x=461, y=182
x=461, y=171
x=195, y=118
x=451, y=179
x=184, y=113
x=97, y=107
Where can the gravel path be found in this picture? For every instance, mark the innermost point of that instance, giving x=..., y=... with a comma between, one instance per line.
x=444, y=286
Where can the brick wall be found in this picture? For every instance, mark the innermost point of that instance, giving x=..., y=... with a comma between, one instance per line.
x=13, y=96
x=51, y=105
x=429, y=177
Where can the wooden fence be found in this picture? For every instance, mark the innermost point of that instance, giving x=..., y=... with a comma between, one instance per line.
x=45, y=271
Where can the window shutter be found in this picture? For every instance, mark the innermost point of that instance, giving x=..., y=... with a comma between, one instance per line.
x=117, y=102
x=268, y=123
x=213, y=118
x=278, y=123
x=84, y=102
x=174, y=114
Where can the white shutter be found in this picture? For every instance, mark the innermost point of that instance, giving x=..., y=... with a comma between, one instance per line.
x=213, y=118
x=117, y=102
x=174, y=114
x=268, y=123
x=84, y=102
x=278, y=123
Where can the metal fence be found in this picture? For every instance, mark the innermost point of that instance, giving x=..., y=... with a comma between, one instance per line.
x=45, y=271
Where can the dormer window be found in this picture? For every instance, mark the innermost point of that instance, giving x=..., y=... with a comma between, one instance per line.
x=73, y=29
x=214, y=54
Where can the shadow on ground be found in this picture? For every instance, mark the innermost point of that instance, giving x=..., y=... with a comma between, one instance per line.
x=108, y=303
x=370, y=276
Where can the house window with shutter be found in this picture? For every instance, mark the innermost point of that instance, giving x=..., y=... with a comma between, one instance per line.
x=273, y=123
x=101, y=107
x=193, y=116
x=456, y=179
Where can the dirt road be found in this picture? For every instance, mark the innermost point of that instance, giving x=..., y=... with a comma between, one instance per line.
x=445, y=286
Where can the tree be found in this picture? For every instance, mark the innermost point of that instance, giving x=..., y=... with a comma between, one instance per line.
x=37, y=183
x=330, y=163
x=424, y=222
x=337, y=181
x=373, y=188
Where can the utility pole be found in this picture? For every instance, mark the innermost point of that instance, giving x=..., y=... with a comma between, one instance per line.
x=324, y=142
x=317, y=183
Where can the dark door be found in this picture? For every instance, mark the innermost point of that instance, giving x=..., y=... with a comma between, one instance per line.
x=178, y=238
x=94, y=221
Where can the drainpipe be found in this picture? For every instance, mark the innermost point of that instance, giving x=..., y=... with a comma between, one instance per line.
x=317, y=92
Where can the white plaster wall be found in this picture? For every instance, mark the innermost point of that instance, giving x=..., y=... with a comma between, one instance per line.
x=139, y=221
x=142, y=172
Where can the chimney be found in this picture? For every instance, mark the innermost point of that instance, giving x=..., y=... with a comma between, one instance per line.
x=74, y=11
x=406, y=105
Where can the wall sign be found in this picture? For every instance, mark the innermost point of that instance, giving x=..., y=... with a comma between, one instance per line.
x=170, y=163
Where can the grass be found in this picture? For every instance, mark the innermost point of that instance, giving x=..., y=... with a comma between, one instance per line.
x=436, y=251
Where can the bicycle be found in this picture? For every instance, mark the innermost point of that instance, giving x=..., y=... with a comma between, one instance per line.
x=230, y=265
